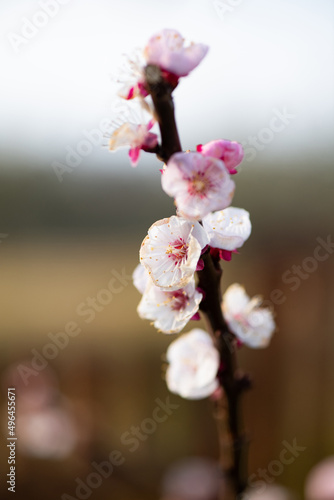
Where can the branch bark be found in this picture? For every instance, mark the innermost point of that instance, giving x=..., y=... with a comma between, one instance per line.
x=232, y=441
x=161, y=92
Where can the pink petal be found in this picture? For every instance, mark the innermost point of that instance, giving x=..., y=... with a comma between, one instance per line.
x=166, y=49
x=222, y=254
x=137, y=90
x=150, y=124
x=200, y=265
x=225, y=255
x=230, y=152
x=233, y=156
x=131, y=93
x=171, y=78
x=134, y=155
x=233, y=171
x=183, y=63
x=196, y=317
x=141, y=89
x=199, y=184
x=215, y=253
x=150, y=141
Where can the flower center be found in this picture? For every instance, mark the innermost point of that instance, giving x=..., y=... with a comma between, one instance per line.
x=199, y=185
x=244, y=322
x=178, y=250
x=179, y=300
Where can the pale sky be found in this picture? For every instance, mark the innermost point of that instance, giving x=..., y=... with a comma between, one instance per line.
x=265, y=57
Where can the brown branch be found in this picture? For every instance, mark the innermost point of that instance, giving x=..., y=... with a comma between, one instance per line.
x=161, y=92
x=232, y=442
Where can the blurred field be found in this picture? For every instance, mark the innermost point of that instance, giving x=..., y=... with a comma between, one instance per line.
x=111, y=372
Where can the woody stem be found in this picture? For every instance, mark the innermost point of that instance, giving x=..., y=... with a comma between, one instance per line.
x=232, y=442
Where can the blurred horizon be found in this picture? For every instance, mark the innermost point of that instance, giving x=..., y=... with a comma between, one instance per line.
x=263, y=60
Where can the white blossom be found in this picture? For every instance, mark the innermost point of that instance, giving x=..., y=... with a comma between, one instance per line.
x=252, y=324
x=170, y=311
x=228, y=229
x=131, y=76
x=167, y=49
x=193, y=365
x=135, y=136
x=171, y=251
x=198, y=183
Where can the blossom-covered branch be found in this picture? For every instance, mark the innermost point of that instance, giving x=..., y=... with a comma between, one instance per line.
x=179, y=273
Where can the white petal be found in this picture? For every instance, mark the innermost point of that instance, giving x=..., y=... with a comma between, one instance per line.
x=200, y=234
x=123, y=136
x=235, y=300
x=166, y=49
x=170, y=311
x=199, y=184
x=228, y=229
x=181, y=382
x=252, y=324
x=194, y=363
x=140, y=278
x=170, y=252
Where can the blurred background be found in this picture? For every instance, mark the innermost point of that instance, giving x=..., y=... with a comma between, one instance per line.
x=87, y=371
